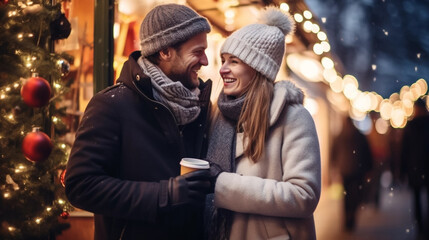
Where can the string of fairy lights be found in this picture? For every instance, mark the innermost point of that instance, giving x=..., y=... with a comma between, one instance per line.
x=394, y=110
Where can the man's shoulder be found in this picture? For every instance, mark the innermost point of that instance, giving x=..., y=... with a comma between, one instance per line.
x=114, y=93
x=111, y=88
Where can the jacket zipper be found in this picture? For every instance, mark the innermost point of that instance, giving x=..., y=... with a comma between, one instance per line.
x=160, y=103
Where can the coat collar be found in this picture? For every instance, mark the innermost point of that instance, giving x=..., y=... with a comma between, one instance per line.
x=285, y=93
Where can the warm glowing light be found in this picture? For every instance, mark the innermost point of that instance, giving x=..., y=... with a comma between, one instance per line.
x=404, y=91
x=10, y=116
x=381, y=126
x=48, y=209
x=326, y=46
x=57, y=86
x=362, y=102
x=60, y=201
x=308, y=26
x=375, y=101
x=307, y=14
x=2, y=96
x=310, y=69
x=337, y=85
x=315, y=28
x=38, y=220
x=116, y=30
x=6, y=195
x=385, y=32
x=230, y=13
x=54, y=119
x=351, y=85
x=298, y=17
x=289, y=38
x=374, y=67
x=398, y=119
x=63, y=146
x=357, y=114
x=350, y=91
x=284, y=7
x=330, y=74
x=322, y=36
x=416, y=91
x=20, y=168
x=423, y=85
x=386, y=109
x=394, y=97
x=407, y=106
x=12, y=13
x=11, y=229
x=318, y=48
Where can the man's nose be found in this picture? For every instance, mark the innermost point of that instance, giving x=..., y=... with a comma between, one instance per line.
x=204, y=60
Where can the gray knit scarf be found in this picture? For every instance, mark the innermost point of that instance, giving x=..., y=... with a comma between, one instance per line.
x=221, y=150
x=183, y=103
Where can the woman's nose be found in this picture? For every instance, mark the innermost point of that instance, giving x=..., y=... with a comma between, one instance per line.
x=223, y=69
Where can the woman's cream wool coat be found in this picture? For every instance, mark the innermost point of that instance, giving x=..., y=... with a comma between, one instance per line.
x=275, y=197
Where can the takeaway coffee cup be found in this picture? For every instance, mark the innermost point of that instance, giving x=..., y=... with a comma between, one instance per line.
x=191, y=164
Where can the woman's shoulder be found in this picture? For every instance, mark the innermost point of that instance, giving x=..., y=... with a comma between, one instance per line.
x=286, y=94
x=288, y=91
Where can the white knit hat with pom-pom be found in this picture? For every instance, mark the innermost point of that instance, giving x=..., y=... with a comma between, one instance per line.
x=262, y=45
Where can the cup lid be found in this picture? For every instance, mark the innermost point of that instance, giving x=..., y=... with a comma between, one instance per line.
x=195, y=163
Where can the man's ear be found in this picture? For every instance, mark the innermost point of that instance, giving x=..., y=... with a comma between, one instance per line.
x=166, y=54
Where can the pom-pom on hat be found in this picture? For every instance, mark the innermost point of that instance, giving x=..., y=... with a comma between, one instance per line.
x=168, y=24
x=262, y=45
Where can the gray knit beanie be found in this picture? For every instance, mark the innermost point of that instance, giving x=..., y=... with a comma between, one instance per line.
x=262, y=45
x=168, y=24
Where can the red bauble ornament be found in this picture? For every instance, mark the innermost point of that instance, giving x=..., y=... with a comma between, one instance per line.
x=36, y=92
x=65, y=215
x=36, y=146
x=3, y=2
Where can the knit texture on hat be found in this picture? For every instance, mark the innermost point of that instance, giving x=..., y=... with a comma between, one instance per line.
x=262, y=45
x=168, y=24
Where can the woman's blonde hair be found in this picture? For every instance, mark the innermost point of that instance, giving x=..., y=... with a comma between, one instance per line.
x=254, y=116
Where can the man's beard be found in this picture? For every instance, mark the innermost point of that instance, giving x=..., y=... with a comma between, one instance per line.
x=184, y=78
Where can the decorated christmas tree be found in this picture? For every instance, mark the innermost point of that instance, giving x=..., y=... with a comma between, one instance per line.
x=32, y=152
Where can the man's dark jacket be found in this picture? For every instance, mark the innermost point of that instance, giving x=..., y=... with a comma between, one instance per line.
x=127, y=146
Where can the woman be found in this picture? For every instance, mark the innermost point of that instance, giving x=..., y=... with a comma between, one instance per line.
x=264, y=141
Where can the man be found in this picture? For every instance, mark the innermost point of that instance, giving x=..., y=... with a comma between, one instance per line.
x=124, y=164
x=415, y=163
x=352, y=158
